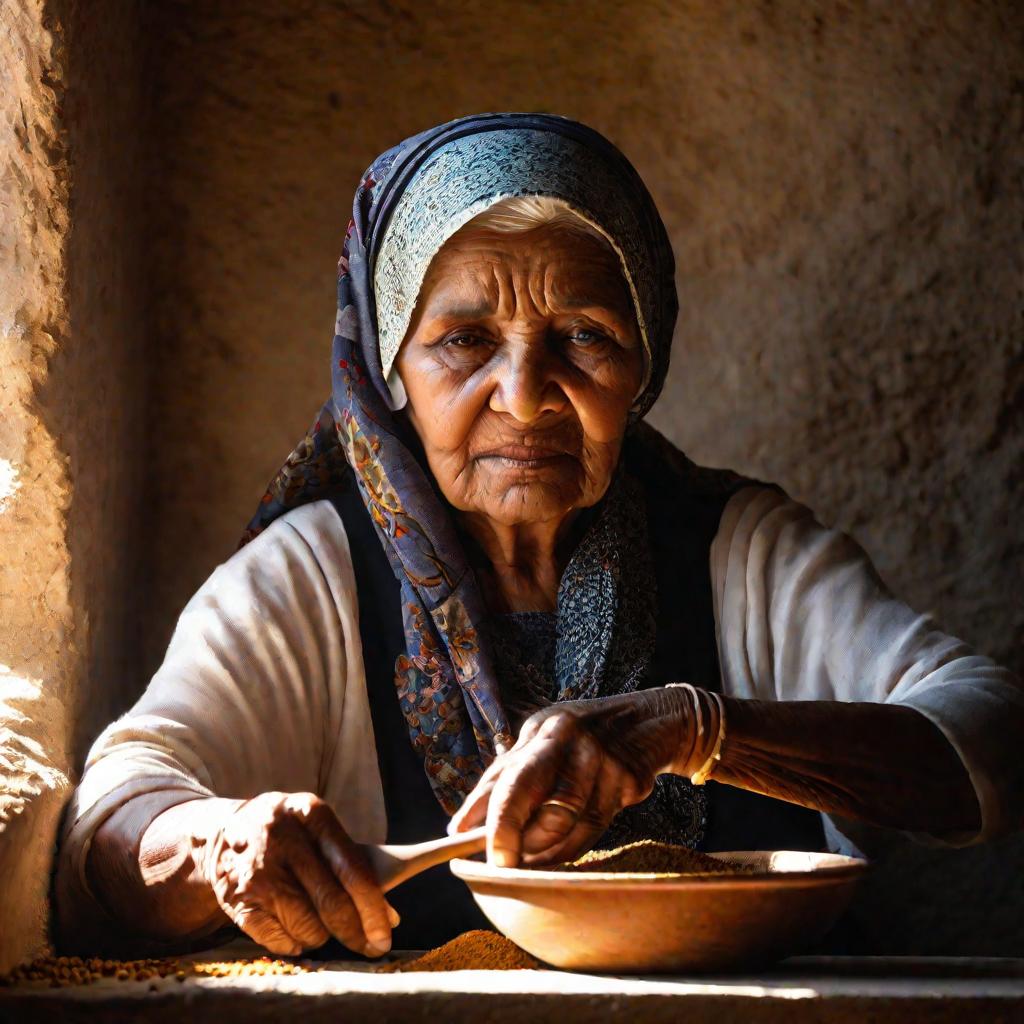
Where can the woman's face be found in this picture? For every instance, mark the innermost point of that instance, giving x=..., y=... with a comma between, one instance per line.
x=521, y=364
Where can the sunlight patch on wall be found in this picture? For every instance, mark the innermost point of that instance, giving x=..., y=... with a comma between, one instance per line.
x=9, y=483
x=18, y=694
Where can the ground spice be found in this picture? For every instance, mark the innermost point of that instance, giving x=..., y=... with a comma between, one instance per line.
x=649, y=857
x=476, y=950
x=472, y=951
x=62, y=971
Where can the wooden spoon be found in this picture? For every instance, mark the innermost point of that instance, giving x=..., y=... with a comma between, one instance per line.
x=394, y=864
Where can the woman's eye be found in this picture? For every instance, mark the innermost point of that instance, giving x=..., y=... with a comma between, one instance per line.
x=462, y=341
x=585, y=338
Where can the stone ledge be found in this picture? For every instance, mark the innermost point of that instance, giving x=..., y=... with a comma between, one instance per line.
x=836, y=990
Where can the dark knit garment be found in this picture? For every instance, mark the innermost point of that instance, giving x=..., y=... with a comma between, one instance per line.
x=525, y=645
x=600, y=642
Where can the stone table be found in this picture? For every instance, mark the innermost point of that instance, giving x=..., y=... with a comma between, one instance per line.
x=832, y=989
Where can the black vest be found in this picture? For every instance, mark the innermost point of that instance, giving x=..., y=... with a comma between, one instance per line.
x=684, y=507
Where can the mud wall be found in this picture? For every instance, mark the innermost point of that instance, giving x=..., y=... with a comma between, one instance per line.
x=72, y=352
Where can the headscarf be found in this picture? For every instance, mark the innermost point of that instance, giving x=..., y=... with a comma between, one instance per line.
x=421, y=192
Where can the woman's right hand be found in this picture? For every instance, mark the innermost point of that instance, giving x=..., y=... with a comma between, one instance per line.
x=285, y=871
x=576, y=764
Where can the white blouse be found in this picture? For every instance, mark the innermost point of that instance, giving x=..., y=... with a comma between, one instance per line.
x=263, y=687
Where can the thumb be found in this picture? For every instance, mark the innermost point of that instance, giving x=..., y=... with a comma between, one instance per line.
x=473, y=811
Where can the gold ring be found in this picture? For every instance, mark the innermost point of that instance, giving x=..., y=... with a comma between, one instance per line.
x=560, y=803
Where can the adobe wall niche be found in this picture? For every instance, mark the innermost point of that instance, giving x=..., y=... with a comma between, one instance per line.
x=72, y=353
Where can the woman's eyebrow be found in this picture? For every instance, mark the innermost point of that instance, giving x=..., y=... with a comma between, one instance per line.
x=588, y=304
x=582, y=295
x=475, y=311
x=597, y=310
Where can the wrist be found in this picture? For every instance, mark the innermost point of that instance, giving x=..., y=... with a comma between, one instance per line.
x=700, y=750
x=668, y=731
x=193, y=827
x=206, y=834
x=644, y=729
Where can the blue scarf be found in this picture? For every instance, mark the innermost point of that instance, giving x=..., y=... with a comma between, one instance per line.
x=445, y=681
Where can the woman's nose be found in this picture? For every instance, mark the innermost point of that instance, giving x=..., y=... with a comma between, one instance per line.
x=526, y=386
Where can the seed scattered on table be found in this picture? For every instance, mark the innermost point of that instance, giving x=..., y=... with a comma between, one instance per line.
x=63, y=971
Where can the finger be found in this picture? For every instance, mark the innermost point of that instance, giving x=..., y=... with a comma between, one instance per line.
x=605, y=802
x=475, y=805
x=335, y=911
x=264, y=928
x=520, y=790
x=252, y=913
x=531, y=727
x=352, y=869
x=295, y=910
x=394, y=917
x=572, y=789
x=473, y=811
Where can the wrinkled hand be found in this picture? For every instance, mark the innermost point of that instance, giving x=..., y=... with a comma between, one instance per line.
x=595, y=756
x=285, y=871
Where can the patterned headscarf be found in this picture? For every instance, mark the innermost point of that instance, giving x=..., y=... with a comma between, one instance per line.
x=421, y=192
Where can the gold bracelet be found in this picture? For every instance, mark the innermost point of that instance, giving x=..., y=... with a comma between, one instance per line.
x=703, y=773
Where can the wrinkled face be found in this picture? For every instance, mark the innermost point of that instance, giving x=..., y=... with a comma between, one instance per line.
x=521, y=364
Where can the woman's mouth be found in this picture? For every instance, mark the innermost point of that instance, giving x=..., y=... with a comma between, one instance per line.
x=521, y=456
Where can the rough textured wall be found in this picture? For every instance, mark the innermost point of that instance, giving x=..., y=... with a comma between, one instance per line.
x=842, y=183
x=97, y=400
x=38, y=661
x=70, y=348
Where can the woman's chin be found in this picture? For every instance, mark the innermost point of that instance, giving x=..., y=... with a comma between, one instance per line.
x=515, y=502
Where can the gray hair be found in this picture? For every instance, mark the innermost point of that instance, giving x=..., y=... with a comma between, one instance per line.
x=516, y=214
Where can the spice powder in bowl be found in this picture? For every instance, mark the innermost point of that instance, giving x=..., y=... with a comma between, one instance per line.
x=648, y=857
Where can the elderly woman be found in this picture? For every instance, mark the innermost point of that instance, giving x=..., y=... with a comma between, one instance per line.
x=481, y=590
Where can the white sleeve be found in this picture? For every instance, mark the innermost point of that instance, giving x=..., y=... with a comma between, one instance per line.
x=262, y=688
x=802, y=615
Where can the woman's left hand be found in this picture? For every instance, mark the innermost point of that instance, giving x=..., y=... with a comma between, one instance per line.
x=573, y=768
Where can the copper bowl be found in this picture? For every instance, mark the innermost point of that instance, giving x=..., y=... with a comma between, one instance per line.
x=637, y=923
